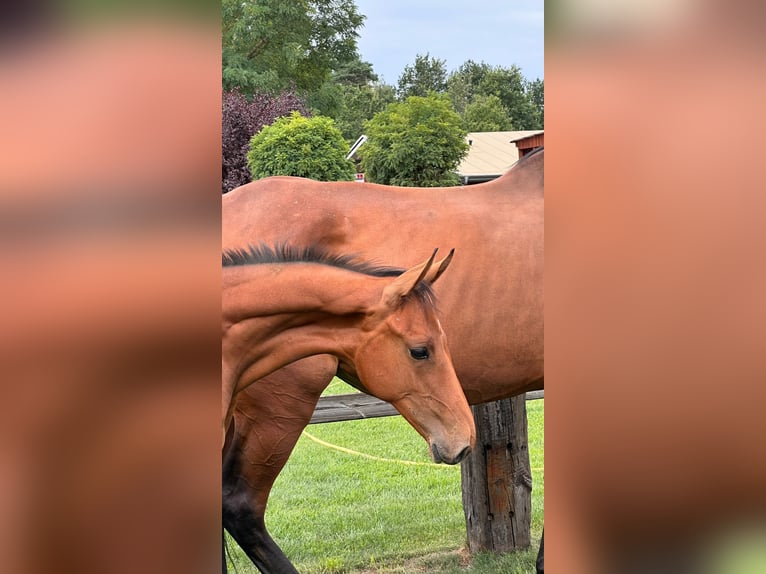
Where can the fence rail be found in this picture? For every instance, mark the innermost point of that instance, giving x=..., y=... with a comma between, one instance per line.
x=355, y=406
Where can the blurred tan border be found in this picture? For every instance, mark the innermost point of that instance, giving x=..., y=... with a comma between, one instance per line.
x=110, y=289
x=655, y=286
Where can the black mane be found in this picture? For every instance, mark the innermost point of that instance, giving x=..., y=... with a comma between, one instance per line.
x=284, y=253
x=526, y=157
x=263, y=254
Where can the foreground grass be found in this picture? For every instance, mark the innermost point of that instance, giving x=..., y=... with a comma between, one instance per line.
x=336, y=512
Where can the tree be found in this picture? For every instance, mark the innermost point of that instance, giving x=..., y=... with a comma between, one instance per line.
x=355, y=73
x=351, y=96
x=361, y=103
x=327, y=100
x=330, y=98
x=536, y=94
x=242, y=118
x=463, y=83
x=486, y=114
x=521, y=98
x=418, y=142
x=300, y=146
x=269, y=44
x=426, y=75
x=508, y=84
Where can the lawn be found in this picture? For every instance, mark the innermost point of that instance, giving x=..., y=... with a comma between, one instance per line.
x=368, y=509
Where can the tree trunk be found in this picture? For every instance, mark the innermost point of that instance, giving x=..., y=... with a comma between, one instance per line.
x=497, y=479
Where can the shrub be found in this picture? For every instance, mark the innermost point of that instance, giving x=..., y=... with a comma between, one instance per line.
x=417, y=143
x=300, y=146
x=242, y=118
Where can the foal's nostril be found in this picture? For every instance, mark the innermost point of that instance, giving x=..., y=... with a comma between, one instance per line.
x=463, y=453
x=435, y=453
x=438, y=458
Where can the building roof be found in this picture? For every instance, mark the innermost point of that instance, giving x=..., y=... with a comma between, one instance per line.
x=526, y=135
x=489, y=156
x=491, y=153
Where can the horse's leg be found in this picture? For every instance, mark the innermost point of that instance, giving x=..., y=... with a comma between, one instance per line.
x=243, y=516
x=269, y=418
x=228, y=441
x=540, y=557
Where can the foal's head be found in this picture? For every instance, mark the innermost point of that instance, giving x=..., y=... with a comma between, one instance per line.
x=404, y=360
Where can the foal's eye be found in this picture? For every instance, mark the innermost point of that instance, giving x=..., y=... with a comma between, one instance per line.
x=419, y=353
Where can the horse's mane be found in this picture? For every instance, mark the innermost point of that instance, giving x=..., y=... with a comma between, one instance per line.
x=538, y=149
x=528, y=156
x=263, y=254
x=526, y=162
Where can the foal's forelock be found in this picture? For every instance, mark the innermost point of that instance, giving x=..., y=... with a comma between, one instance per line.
x=424, y=294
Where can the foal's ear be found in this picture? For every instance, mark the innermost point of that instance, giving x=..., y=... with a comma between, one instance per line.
x=439, y=267
x=406, y=282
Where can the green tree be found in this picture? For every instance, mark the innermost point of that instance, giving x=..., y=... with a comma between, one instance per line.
x=355, y=73
x=270, y=44
x=300, y=146
x=327, y=100
x=330, y=98
x=361, y=103
x=426, y=75
x=536, y=95
x=508, y=84
x=417, y=143
x=486, y=114
x=520, y=97
x=462, y=83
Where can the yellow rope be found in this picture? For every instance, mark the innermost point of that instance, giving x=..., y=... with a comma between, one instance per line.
x=377, y=458
x=371, y=457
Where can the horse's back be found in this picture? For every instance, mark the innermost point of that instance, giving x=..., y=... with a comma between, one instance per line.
x=276, y=209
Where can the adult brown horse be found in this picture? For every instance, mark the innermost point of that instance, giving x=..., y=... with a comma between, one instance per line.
x=492, y=306
x=284, y=304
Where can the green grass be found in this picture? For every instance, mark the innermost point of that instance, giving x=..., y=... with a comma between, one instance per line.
x=336, y=512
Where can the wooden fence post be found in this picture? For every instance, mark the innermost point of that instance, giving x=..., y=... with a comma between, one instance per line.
x=497, y=479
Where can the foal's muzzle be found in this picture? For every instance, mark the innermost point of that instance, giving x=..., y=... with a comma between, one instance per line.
x=439, y=457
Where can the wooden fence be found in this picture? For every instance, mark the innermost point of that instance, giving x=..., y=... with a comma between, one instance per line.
x=355, y=406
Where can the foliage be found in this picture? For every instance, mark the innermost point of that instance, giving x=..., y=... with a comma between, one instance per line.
x=351, y=96
x=508, y=84
x=361, y=103
x=270, y=44
x=462, y=83
x=331, y=97
x=327, y=100
x=418, y=142
x=521, y=98
x=243, y=118
x=355, y=73
x=486, y=114
x=425, y=76
x=536, y=94
x=300, y=146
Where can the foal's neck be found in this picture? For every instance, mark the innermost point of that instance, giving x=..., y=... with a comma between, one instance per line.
x=253, y=291
x=276, y=314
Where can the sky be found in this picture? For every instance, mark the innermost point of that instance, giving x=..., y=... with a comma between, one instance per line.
x=499, y=32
